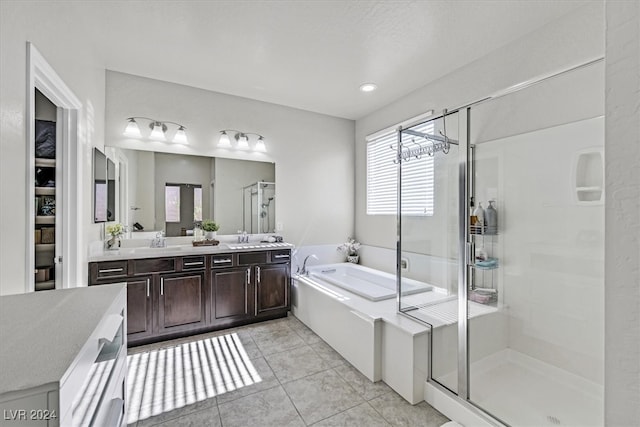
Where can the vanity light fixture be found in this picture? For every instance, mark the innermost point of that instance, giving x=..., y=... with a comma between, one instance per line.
x=158, y=130
x=242, y=140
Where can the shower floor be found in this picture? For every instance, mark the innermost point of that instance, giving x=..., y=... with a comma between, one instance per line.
x=523, y=391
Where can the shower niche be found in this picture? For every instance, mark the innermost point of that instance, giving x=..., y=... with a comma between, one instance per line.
x=259, y=207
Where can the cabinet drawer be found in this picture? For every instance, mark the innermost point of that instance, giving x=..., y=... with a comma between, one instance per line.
x=193, y=263
x=154, y=265
x=108, y=269
x=221, y=261
x=249, y=258
x=281, y=256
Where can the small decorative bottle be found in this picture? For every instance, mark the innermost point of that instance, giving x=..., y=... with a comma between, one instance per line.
x=491, y=218
x=472, y=218
x=479, y=214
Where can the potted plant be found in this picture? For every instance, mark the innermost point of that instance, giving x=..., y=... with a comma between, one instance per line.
x=350, y=248
x=210, y=228
x=115, y=231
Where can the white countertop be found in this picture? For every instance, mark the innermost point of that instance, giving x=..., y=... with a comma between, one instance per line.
x=183, y=250
x=41, y=333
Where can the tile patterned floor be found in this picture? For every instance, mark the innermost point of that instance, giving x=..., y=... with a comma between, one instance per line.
x=303, y=382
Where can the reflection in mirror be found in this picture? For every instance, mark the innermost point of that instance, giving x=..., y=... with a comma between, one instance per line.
x=99, y=186
x=258, y=206
x=111, y=190
x=171, y=192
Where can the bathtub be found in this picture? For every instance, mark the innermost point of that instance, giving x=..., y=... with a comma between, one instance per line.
x=366, y=282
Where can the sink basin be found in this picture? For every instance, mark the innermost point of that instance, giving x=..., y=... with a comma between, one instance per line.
x=256, y=245
x=154, y=250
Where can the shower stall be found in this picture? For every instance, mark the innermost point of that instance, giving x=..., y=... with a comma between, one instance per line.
x=259, y=207
x=518, y=335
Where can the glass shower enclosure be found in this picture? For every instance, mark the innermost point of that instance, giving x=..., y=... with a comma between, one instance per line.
x=259, y=207
x=514, y=247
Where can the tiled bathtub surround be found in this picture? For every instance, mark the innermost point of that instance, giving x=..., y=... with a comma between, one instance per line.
x=278, y=373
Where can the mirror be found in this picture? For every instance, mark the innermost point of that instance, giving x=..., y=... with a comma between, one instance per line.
x=171, y=192
x=100, y=193
x=111, y=190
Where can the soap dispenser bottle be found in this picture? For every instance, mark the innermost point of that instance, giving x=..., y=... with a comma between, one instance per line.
x=491, y=218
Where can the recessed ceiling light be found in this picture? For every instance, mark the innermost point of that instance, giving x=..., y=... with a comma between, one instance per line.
x=368, y=87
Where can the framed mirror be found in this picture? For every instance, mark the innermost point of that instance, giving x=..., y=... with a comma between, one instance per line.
x=100, y=190
x=111, y=190
x=171, y=192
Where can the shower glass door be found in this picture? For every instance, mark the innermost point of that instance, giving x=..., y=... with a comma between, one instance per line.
x=428, y=235
x=535, y=274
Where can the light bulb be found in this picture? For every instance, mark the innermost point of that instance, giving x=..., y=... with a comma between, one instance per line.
x=224, y=140
x=243, y=142
x=181, y=136
x=132, y=130
x=157, y=132
x=368, y=87
x=260, y=145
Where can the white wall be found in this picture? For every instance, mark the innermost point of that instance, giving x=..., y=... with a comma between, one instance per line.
x=622, y=241
x=313, y=153
x=74, y=61
x=569, y=41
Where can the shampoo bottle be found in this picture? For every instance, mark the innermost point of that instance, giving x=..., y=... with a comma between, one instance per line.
x=491, y=217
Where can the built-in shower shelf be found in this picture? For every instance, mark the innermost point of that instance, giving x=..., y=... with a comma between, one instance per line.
x=589, y=176
x=589, y=189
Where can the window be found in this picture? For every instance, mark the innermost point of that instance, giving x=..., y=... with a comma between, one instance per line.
x=197, y=204
x=382, y=178
x=172, y=203
x=177, y=194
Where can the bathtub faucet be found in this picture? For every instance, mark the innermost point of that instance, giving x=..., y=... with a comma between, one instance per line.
x=303, y=271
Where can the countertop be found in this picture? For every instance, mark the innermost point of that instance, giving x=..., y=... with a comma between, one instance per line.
x=183, y=250
x=43, y=332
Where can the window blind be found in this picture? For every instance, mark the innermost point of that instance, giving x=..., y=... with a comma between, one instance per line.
x=382, y=178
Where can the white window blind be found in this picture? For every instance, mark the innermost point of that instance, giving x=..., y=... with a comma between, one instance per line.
x=382, y=178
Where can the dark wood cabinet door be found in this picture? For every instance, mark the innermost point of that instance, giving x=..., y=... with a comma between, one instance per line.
x=272, y=288
x=139, y=308
x=181, y=302
x=231, y=295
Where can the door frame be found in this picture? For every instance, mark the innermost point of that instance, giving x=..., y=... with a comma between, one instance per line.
x=41, y=76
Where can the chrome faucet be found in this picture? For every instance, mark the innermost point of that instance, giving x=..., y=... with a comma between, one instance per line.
x=159, y=241
x=244, y=237
x=303, y=271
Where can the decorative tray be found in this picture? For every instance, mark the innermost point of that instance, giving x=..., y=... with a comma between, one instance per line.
x=206, y=243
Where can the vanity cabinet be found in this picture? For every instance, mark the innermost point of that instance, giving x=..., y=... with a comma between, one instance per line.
x=181, y=302
x=176, y=296
x=231, y=292
x=272, y=289
x=140, y=313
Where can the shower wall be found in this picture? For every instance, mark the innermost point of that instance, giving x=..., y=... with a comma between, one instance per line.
x=528, y=149
x=551, y=245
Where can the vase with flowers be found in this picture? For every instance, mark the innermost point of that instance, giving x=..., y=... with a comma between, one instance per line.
x=350, y=248
x=114, y=231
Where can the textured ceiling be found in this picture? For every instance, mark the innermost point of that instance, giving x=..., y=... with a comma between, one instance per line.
x=311, y=55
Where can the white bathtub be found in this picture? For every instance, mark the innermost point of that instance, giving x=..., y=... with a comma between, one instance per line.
x=366, y=282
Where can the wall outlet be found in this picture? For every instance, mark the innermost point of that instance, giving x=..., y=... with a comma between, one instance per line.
x=279, y=226
x=404, y=264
